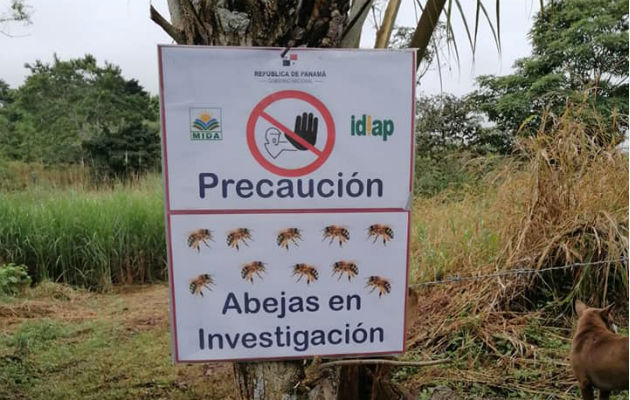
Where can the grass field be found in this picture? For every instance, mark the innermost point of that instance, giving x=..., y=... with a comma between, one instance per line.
x=87, y=238
x=60, y=343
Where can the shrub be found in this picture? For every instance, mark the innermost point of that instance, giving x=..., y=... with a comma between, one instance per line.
x=13, y=279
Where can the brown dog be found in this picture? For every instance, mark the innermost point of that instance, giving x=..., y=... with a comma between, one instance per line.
x=599, y=357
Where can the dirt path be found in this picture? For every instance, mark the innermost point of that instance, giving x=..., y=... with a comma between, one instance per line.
x=139, y=307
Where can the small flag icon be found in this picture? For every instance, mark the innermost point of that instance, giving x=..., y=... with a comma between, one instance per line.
x=289, y=60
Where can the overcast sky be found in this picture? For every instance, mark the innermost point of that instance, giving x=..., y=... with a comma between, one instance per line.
x=121, y=32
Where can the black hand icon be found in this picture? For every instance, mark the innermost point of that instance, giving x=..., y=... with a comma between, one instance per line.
x=306, y=128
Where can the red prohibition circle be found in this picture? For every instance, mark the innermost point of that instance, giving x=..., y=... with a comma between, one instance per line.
x=259, y=111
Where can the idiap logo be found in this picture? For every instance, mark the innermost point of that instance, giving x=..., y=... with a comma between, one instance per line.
x=290, y=133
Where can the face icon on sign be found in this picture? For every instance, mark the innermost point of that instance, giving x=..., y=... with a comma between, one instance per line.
x=275, y=143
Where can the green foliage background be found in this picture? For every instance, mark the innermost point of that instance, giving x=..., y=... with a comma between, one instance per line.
x=77, y=112
x=580, y=54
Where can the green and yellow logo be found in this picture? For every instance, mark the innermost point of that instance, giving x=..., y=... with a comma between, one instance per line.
x=368, y=126
x=205, y=124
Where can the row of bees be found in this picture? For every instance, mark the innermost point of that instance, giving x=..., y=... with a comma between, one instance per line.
x=289, y=236
x=310, y=273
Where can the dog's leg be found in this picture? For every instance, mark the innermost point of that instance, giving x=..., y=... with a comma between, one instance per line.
x=604, y=395
x=587, y=391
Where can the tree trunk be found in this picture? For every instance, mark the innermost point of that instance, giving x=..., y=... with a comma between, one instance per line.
x=314, y=23
x=286, y=380
x=358, y=14
x=284, y=23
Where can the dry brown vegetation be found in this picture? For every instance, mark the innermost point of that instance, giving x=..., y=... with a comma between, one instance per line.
x=571, y=206
x=562, y=199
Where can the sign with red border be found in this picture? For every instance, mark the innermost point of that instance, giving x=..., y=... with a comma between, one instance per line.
x=297, y=250
x=259, y=112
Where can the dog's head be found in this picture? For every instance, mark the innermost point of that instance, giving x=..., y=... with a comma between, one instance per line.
x=598, y=316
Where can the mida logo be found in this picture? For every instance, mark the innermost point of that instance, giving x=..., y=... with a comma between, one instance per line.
x=368, y=126
x=205, y=124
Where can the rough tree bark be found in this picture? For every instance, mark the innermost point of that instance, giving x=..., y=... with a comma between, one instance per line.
x=314, y=23
x=286, y=23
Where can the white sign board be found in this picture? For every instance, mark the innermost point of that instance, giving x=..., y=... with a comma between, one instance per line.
x=288, y=179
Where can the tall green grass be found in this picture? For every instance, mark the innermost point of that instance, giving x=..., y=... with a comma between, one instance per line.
x=91, y=239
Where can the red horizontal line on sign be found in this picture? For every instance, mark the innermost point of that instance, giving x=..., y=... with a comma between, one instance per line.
x=288, y=211
x=296, y=357
x=289, y=132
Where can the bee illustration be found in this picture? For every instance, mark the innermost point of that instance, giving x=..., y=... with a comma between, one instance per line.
x=288, y=235
x=254, y=267
x=238, y=235
x=349, y=268
x=195, y=238
x=335, y=231
x=200, y=282
x=309, y=271
x=380, y=283
x=383, y=231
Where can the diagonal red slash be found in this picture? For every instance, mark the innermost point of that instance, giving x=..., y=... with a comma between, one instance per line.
x=289, y=132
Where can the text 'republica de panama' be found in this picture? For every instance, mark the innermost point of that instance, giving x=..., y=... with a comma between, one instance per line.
x=353, y=186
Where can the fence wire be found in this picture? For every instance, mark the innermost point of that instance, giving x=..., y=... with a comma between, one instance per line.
x=513, y=272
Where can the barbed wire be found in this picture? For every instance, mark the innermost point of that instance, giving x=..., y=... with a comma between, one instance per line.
x=512, y=272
